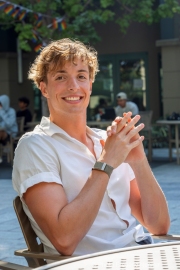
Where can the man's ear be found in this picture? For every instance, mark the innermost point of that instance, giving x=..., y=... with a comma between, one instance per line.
x=43, y=89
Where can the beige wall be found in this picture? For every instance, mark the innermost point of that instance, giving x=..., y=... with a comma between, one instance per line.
x=171, y=75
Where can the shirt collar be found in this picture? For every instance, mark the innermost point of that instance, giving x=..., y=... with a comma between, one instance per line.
x=50, y=129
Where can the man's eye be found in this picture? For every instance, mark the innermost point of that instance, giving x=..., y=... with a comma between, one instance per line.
x=59, y=78
x=82, y=77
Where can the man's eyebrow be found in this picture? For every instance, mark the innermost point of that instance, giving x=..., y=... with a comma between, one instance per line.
x=64, y=71
x=83, y=70
x=61, y=71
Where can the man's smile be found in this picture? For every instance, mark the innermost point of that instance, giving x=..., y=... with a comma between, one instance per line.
x=72, y=98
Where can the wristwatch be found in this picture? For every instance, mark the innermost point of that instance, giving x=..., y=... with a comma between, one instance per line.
x=100, y=166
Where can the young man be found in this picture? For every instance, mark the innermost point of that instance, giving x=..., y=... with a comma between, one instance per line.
x=124, y=105
x=24, y=111
x=81, y=189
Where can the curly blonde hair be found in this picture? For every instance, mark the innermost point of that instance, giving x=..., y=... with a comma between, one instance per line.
x=57, y=53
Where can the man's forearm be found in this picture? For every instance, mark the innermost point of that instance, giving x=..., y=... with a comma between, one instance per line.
x=67, y=222
x=153, y=202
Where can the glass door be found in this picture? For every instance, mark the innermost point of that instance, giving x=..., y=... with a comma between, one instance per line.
x=132, y=75
x=120, y=73
x=102, y=94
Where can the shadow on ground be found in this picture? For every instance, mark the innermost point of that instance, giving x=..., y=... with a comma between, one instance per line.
x=5, y=170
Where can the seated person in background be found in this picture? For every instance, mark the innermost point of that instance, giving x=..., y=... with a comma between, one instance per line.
x=8, y=124
x=24, y=111
x=103, y=111
x=125, y=106
x=102, y=104
x=84, y=188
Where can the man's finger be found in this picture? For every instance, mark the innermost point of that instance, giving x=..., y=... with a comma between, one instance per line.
x=124, y=121
x=113, y=128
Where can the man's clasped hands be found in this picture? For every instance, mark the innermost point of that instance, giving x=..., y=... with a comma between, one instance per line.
x=124, y=144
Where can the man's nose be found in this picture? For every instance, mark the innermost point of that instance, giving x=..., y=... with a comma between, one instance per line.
x=73, y=84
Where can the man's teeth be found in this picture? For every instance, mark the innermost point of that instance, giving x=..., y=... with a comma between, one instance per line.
x=72, y=98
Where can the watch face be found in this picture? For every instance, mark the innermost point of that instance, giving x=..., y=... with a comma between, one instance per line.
x=103, y=167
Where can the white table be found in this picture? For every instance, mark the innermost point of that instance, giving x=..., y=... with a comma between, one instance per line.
x=175, y=123
x=147, y=257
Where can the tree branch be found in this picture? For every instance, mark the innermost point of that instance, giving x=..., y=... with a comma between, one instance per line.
x=87, y=3
x=125, y=7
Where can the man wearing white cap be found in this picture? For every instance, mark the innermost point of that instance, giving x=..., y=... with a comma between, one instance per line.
x=125, y=106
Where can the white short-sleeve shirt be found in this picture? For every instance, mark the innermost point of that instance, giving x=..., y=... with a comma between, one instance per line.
x=49, y=154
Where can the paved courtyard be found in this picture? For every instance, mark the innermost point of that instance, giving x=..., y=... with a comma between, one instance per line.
x=167, y=174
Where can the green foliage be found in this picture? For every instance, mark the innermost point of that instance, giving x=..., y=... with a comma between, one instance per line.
x=146, y=11
x=81, y=17
x=160, y=136
x=106, y=3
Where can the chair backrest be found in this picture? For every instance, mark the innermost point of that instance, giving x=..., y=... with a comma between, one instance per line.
x=20, y=122
x=28, y=233
x=146, y=118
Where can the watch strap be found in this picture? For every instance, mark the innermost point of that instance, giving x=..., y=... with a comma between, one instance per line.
x=104, y=167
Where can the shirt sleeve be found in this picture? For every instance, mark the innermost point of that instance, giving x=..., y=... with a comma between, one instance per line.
x=35, y=162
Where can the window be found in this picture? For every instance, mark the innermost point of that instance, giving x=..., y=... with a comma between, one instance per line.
x=120, y=73
x=133, y=81
x=102, y=88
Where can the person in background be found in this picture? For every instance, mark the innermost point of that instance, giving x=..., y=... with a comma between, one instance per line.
x=101, y=105
x=100, y=108
x=125, y=106
x=24, y=111
x=103, y=111
x=8, y=124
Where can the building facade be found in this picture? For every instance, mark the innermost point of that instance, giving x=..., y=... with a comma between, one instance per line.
x=143, y=63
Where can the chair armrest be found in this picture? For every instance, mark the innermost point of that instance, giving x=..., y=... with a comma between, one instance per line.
x=40, y=255
x=167, y=237
x=13, y=266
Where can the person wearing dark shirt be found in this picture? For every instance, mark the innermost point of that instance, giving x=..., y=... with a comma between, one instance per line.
x=24, y=111
x=103, y=111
